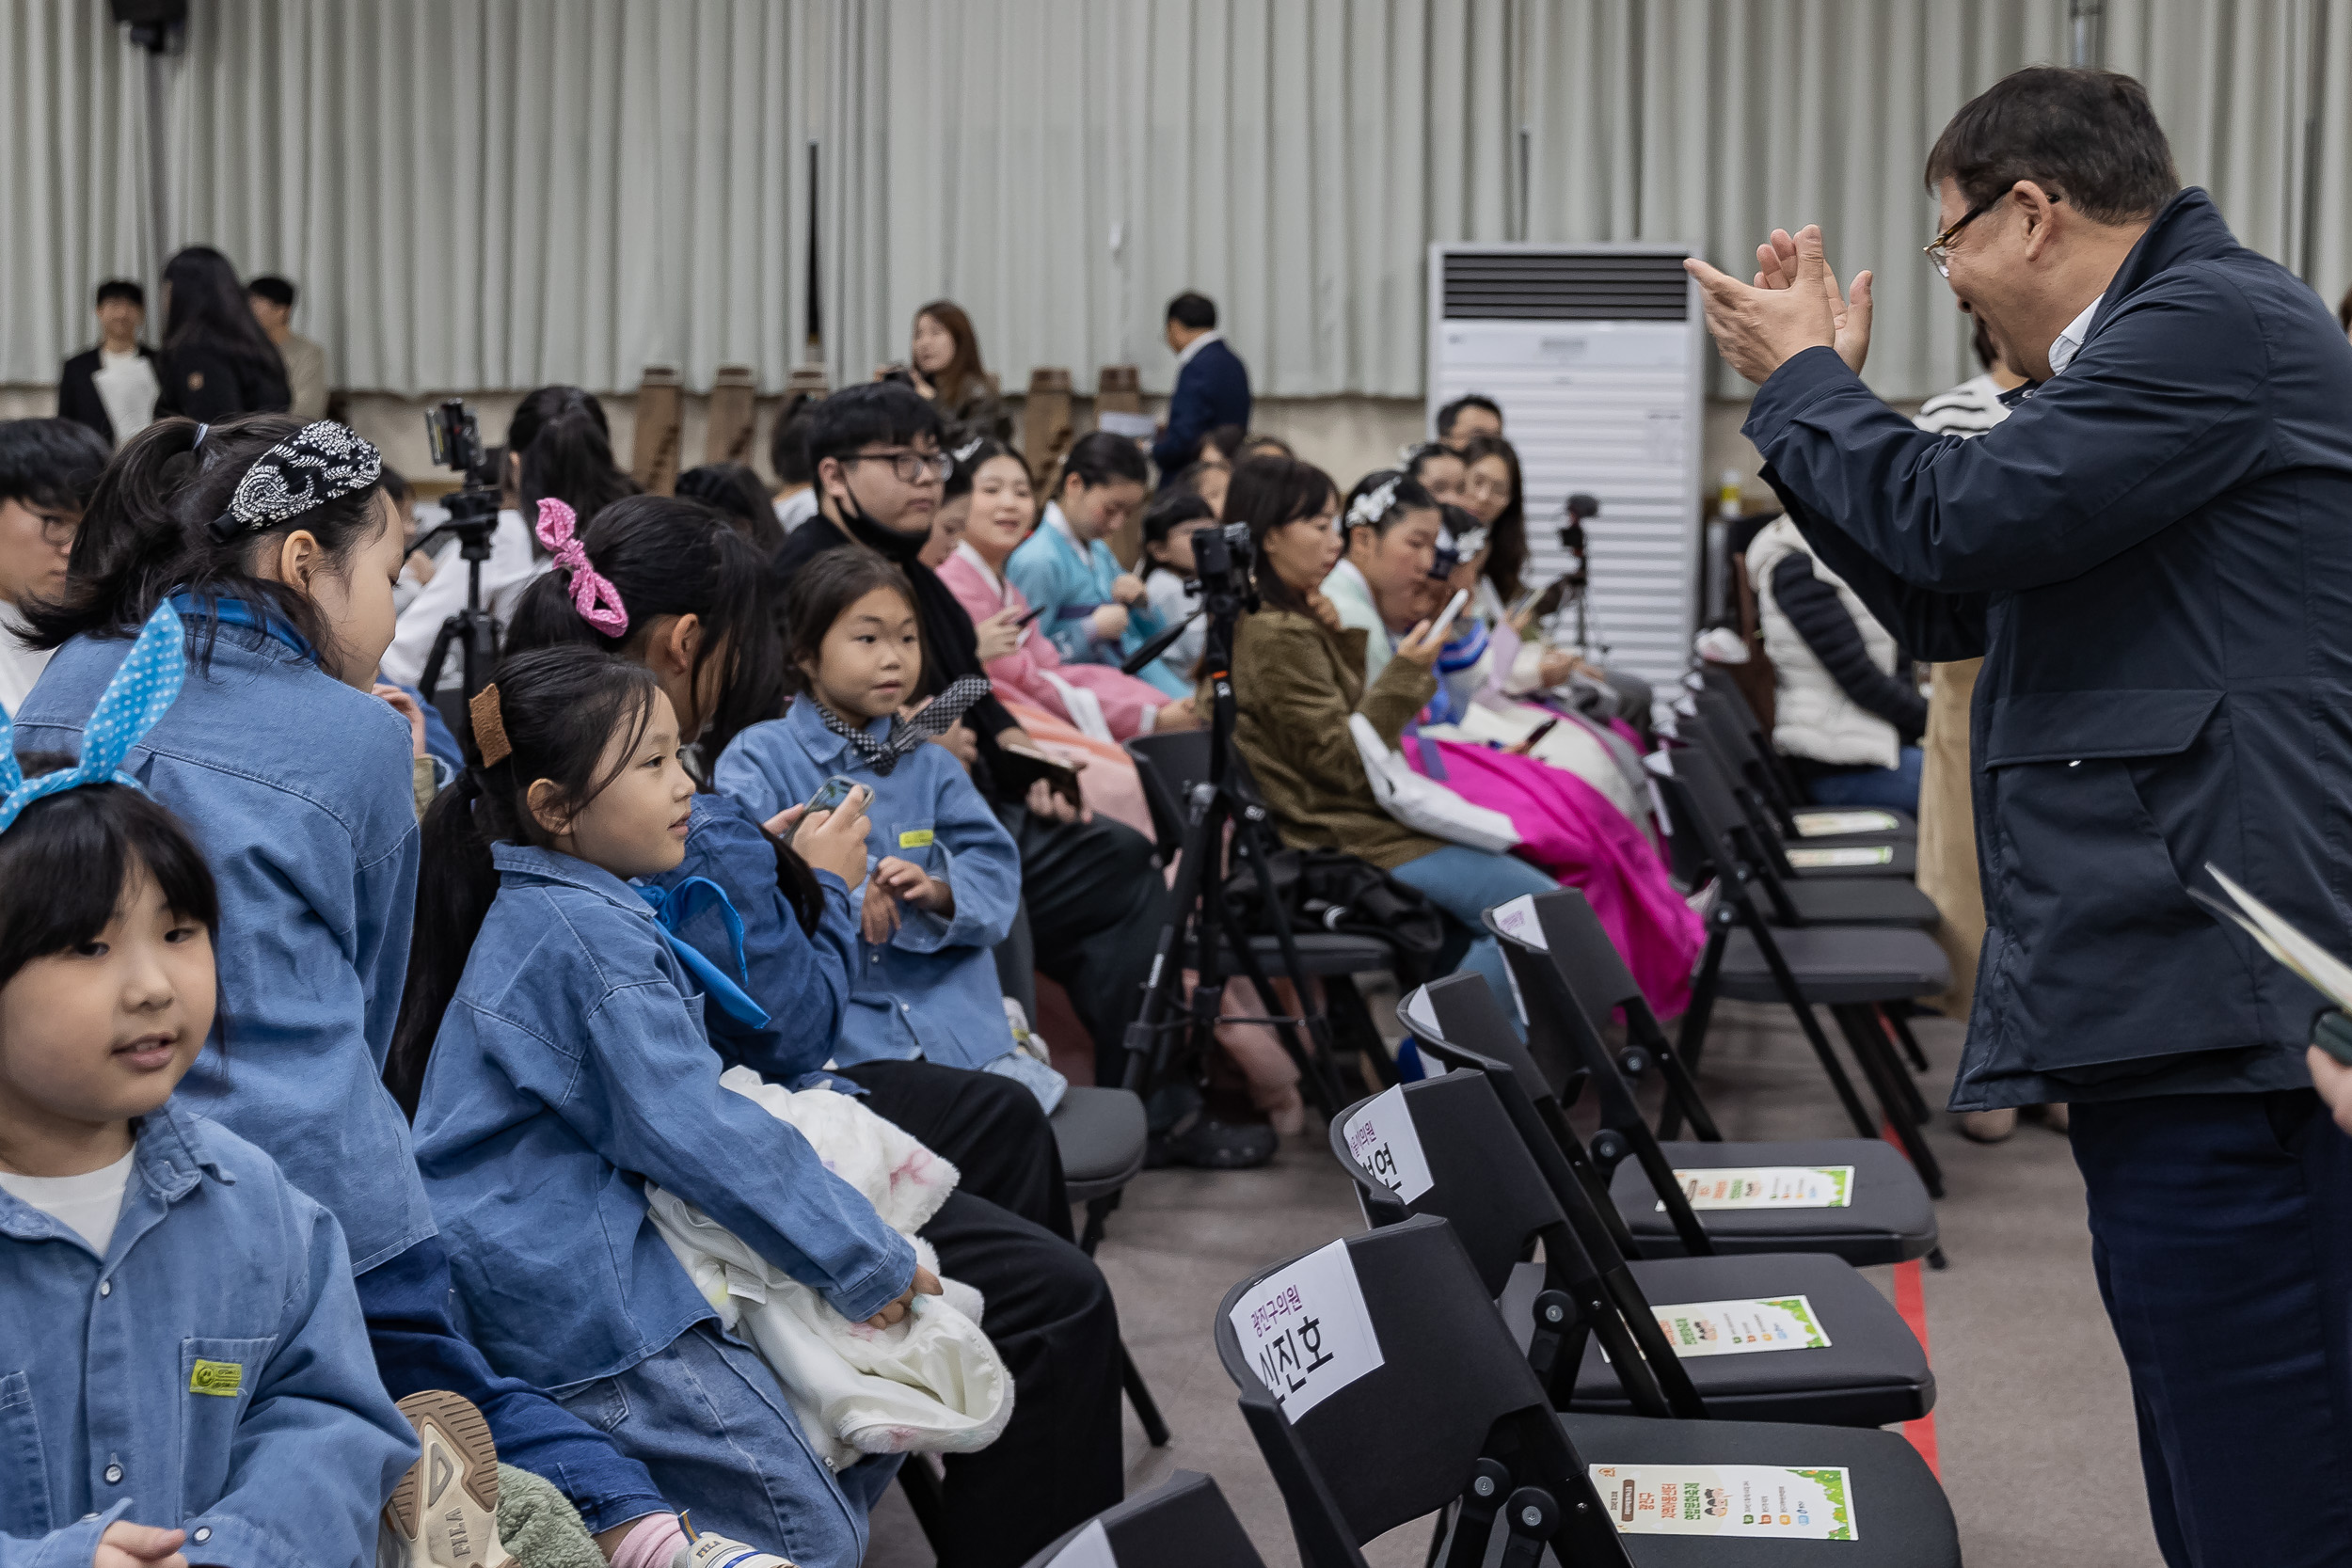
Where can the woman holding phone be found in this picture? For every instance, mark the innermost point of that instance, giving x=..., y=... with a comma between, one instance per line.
x=1299, y=677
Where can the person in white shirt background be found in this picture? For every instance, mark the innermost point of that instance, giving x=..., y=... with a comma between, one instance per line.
x=48, y=469
x=112, y=387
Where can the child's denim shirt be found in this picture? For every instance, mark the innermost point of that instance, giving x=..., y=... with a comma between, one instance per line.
x=800, y=981
x=571, y=1070
x=298, y=789
x=210, y=1374
x=931, y=989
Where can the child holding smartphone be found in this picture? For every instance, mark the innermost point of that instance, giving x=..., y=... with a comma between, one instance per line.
x=943, y=876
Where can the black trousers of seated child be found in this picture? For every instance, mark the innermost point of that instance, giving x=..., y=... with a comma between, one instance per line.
x=1005, y=1231
x=1096, y=898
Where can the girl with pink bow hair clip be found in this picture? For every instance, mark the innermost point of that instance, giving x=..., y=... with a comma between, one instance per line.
x=593, y=594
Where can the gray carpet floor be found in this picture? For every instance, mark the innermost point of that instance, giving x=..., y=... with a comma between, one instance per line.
x=2033, y=1419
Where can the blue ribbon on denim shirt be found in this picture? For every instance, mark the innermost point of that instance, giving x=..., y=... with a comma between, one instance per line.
x=672, y=907
x=141, y=693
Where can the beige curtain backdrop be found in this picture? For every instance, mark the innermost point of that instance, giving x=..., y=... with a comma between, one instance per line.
x=470, y=194
x=483, y=194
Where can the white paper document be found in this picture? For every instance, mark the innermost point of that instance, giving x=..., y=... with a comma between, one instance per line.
x=1306, y=1331
x=1841, y=859
x=1791, y=1504
x=1818, y=824
x=1768, y=1187
x=1741, y=1327
x=2322, y=971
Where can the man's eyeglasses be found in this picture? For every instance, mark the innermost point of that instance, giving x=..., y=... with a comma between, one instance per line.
x=912, y=467
x=58, y=528
x=1939, y=249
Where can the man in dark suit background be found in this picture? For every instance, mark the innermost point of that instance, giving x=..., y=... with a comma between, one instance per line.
x=112, y=388
x=1211, y=385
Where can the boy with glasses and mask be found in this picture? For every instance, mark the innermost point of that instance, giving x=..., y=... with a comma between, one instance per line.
x=48, y=469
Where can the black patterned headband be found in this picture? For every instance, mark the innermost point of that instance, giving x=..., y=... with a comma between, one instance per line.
x=319, y=463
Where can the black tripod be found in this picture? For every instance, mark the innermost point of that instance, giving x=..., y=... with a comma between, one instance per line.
x=473, y=518
x=1199, y=899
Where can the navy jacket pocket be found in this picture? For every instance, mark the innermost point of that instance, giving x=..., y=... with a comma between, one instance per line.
x=2093, y=919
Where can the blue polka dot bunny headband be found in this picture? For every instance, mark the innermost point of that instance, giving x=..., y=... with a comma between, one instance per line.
x=141, y=693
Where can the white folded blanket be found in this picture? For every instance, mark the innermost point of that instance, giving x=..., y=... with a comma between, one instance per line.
x=931, y=1382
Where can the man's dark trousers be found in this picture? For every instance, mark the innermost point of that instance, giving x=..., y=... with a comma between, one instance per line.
x=2221, y=1232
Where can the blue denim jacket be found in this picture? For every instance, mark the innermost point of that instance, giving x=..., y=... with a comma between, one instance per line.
x=210, y=1374
x=572, y=1068
x=298, y=789
x=802, y=981
x=931, y=989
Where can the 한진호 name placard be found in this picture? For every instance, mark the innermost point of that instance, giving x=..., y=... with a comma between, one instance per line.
x=1381, y=1137
x=1768, y=1187
x=1741, y=1327
x=1726, y=1500
x=1304, y=1330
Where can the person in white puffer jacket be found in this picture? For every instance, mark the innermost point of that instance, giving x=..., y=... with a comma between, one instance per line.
x=1846, y=714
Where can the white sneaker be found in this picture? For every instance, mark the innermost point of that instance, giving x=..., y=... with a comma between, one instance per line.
x=717, y=1551
x=444, y=1514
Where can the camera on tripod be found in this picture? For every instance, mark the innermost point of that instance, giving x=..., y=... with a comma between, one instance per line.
x=454, y=438
x=1222, y=558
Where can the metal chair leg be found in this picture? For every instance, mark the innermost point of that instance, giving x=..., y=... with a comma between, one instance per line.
x=1139, y=1395
x=1098, y=1214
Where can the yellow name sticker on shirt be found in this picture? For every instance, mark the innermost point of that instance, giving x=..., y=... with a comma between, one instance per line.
x=224, y=1378
x=916, y=838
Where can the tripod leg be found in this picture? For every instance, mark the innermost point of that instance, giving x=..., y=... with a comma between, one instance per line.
x=1321, y=1075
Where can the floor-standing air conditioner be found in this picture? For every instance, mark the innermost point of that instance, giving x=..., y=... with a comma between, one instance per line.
x=1595, y=353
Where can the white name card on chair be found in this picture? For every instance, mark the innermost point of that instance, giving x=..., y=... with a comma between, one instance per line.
x=1305, y=1330
x=1382, y=1139
x=1089, y=1548
x=1518, y=920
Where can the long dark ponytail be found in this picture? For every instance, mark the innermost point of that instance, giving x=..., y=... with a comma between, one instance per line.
x=561, y=708
x=668, y=558
x=148, y=532
x=565, y=450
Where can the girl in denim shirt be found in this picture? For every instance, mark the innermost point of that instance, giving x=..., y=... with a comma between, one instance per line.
x=279, y=547
x=696, y=611
x=555, y=1035
x=943, y=877
x=185, y=1376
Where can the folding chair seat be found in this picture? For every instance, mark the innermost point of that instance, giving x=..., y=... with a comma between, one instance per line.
x=1454, y=1419
x=1486, y=1172
x=1570, y=975
x=1837, y=965
x=1899, y=1509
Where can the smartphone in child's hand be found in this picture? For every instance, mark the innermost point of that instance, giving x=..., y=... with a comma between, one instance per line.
x=1444, y=623
x=830, y=794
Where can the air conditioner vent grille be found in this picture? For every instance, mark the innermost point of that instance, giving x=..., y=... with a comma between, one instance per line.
x=1521, y=285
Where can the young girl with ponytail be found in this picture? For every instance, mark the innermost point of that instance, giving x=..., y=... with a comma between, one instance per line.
x=553, y=1041
x=670, y=587
x=276, y=544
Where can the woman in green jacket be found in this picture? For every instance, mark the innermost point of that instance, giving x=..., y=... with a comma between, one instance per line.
x=1298, y=677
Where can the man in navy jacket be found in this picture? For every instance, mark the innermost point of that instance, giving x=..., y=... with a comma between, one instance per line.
x=2154, y=555
x=1211, y=385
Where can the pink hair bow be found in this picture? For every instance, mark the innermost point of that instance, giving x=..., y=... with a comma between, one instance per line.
x=593, y=594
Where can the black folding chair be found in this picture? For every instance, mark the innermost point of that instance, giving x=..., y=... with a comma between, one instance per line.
x=1573, y=978
x=1169, y=766
x=1454, y=1418
x=1854, y=971
x=1794, y=897
x=1484, y=1182
x=1761, y=766
x=1183, y=1523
